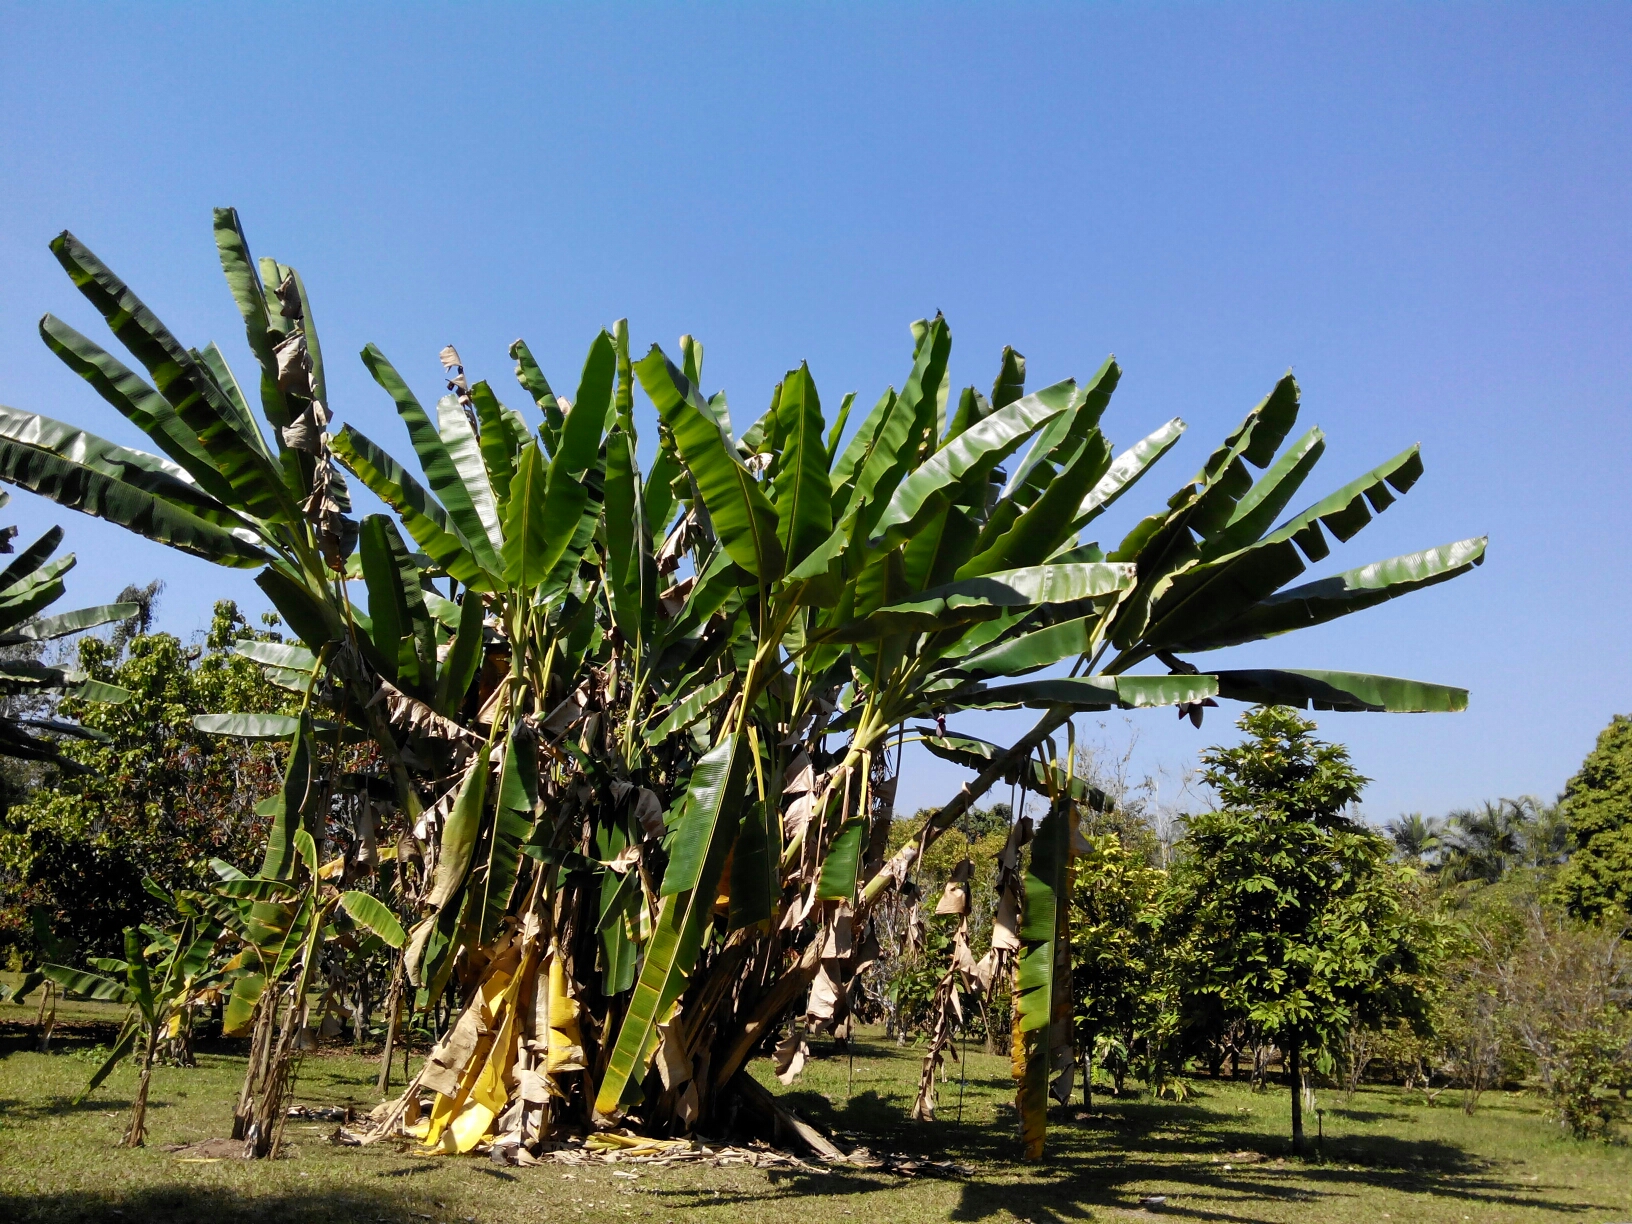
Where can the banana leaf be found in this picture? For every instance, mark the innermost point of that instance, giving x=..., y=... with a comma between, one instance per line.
x=248, y=726
x=441, y=473
x=88, y=985
x=972, y=452
x=244, y=280
x=1346, y=511
x=83, y=472
x=424, y=518
x=138, y=403
x=503, y=434
x=1092, y=693
x=698, y=847
x=1125, y=472
x=532, y=381
x=291, y=803
x=465, y=453
x=1042, y=968
x=985, y=598
x=1224, y=479
x=1255, y=513
x=371, y=912
x=744, y=519
x=803, y=492
x=512, y=820
x=458, y=844
x=257, y=488
x=1029, y=772
x=842, y=863
x=1315, y=603
x=1334, y=690
x=48, y=628
x=400, y=628
x=464, y=656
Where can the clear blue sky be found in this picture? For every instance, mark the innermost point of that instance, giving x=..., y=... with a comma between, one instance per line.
x=1425, y=210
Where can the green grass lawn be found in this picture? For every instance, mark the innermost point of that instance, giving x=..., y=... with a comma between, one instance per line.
x=1386, y=1157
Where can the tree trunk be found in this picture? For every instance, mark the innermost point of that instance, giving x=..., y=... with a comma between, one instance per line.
x=393, y=1011
x=1295, y=1074
x=260, y=1050
x=138, y=1110
x=1088, y=1070
x=46, y=1020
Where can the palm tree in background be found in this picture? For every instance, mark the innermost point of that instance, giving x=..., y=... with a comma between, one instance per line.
x=1416, y=838
x=1488, y=842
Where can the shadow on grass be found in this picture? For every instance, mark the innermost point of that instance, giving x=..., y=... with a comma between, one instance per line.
x=203, y=1205
x=1126, y=1148
x=34, y=1111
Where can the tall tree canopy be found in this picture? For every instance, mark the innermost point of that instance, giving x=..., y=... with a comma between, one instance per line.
x=1597, y=882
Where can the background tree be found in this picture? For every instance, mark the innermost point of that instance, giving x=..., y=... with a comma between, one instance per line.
x=1597, y=883
x=1417, y=838
x=155, y=799
x=1119, y=960
x=1290, y=913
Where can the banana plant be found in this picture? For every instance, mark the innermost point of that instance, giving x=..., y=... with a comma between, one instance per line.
x=609, y=728
x=156, y=982
x=29, y=585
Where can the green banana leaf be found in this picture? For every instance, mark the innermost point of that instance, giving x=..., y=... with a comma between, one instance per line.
x=1042, y=968
x=985, y=598
x=248, y=726
x=1214, y=593
x=138, y=403
x=1345, y=512
x=1028, y=652
x=1315, y=603
x=88, y=985
x=756, y=877
x=512, y=821
x=458, y=844
x=971, y=452
x=420, y=513
x=244, y=280
x=465, y=453
x=85, y=473
x=842, y=862
x=699, y=843
x=288, y=807
x=257, y=487
x=1255, y=513
x=529, y=535
x=1046, y=523
x=503, y=434
x=122, y=1046
x=1092, y=693
x=48, y=628
x=533, y=382
x=1224, y=479
x=464, y=657
x=372, y=913
x=1125, y=472
x=1029, y=772
x=803, y=492
x=1334, y=690
x=1062, y=441
x=744, y=519
x=283, y=655
x=441, y=473
x=401, y=632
